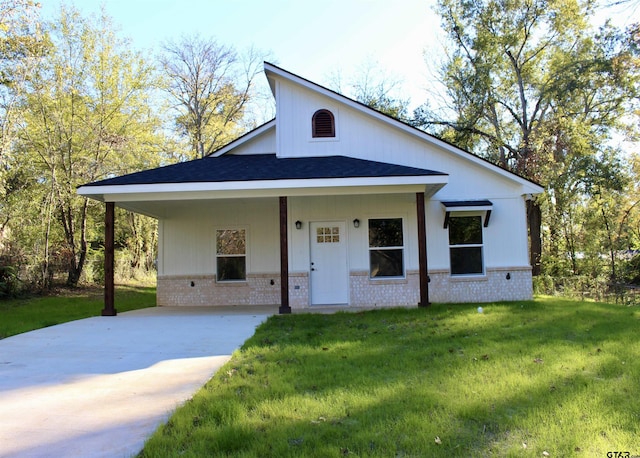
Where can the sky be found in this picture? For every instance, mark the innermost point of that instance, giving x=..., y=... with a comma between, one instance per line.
x=313, y=39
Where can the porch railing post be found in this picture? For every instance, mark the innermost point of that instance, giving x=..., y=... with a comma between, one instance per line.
x=109, y=287
x=422, y=251
x=284, y=258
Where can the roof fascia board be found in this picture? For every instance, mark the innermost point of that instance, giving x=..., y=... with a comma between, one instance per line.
x=262, y=185
x=530, y=186
x=249, y=194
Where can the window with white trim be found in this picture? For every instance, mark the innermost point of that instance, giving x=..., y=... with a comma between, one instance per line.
x=465, y=245
x=386, y=248
x=231, y=257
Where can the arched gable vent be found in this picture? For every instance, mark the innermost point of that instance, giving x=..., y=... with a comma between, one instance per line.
x=323, y=124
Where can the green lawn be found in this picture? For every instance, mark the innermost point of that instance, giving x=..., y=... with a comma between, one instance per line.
x=22, y=315
x=520, y=379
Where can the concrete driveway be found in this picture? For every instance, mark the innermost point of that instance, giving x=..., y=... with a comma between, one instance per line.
x=99, y=387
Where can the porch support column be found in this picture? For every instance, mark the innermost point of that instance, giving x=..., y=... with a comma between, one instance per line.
x=284, y=258
x=422, y=251
x=109, y=221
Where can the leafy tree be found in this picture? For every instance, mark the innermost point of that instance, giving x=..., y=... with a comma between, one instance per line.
x=87, y=115
x=21, y=42
x=374, y=88
x=211, y=86
x=534, y=89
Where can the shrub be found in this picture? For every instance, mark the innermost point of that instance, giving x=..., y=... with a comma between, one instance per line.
x=10, y=284
x=632, y=270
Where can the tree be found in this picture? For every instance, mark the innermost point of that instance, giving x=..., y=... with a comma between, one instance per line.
x=21, y=42
x=532, y=87
x=86, y=116
x=374, y=88
x=211, y=86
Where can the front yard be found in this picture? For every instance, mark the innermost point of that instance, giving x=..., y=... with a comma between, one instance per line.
x=549, y=376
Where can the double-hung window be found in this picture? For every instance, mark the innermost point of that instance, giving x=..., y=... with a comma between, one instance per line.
x=231, y=254
x=465, y=245
x=386, y=248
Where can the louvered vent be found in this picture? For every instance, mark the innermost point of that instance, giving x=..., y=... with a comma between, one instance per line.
x=323, y=124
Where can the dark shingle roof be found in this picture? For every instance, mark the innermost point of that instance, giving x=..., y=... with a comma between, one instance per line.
x=265, y=167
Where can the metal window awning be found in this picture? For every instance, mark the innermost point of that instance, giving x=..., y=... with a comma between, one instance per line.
x=465, y=206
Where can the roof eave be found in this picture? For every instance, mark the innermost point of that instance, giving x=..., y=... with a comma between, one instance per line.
x=265, y=188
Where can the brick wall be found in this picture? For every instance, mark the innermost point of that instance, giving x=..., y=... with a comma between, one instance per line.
x=264, y=289
x=367, y=292
x=204, y=290
x=494, y=286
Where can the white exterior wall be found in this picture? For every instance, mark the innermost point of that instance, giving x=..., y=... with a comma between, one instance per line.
x=505, y=239
x=259, y=145
x=365, y=137
x=187, y=239
x=187, y=252
x=348, y=208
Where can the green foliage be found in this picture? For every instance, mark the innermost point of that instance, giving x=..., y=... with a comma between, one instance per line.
x=632, y=270
x=520, y=379
x=86, y=116
x=376, y=89
x=10, y=284
x=534, y=88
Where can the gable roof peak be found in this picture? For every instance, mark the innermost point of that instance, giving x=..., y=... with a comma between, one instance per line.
x=273, y=71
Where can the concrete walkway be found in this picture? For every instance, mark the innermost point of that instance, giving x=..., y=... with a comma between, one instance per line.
x=99, y=387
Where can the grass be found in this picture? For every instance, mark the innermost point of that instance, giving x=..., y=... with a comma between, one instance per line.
x=22, y=315
x=520, y=379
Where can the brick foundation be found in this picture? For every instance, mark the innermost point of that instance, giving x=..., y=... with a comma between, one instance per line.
x=367, y=292
x=205, y=291
x=264, y=289
x=494, y=286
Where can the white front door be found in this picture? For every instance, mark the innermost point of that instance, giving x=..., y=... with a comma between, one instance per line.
x=329, y=276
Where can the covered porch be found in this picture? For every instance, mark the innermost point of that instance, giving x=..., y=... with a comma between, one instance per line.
x=280, y=222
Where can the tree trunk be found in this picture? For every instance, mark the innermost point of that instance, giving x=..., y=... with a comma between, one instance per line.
x=534, y=219
x=78, y=255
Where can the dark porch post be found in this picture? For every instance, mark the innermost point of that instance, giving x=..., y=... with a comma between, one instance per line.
x=109, y=221
x=422, y=251
x=284, y=258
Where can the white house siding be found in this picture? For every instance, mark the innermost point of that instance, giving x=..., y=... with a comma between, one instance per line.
x=363, y=136
x=505, y=239
x=261, y=144
x=187, y=252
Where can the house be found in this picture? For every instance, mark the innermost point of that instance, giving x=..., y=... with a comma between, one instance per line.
x=331, y=203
